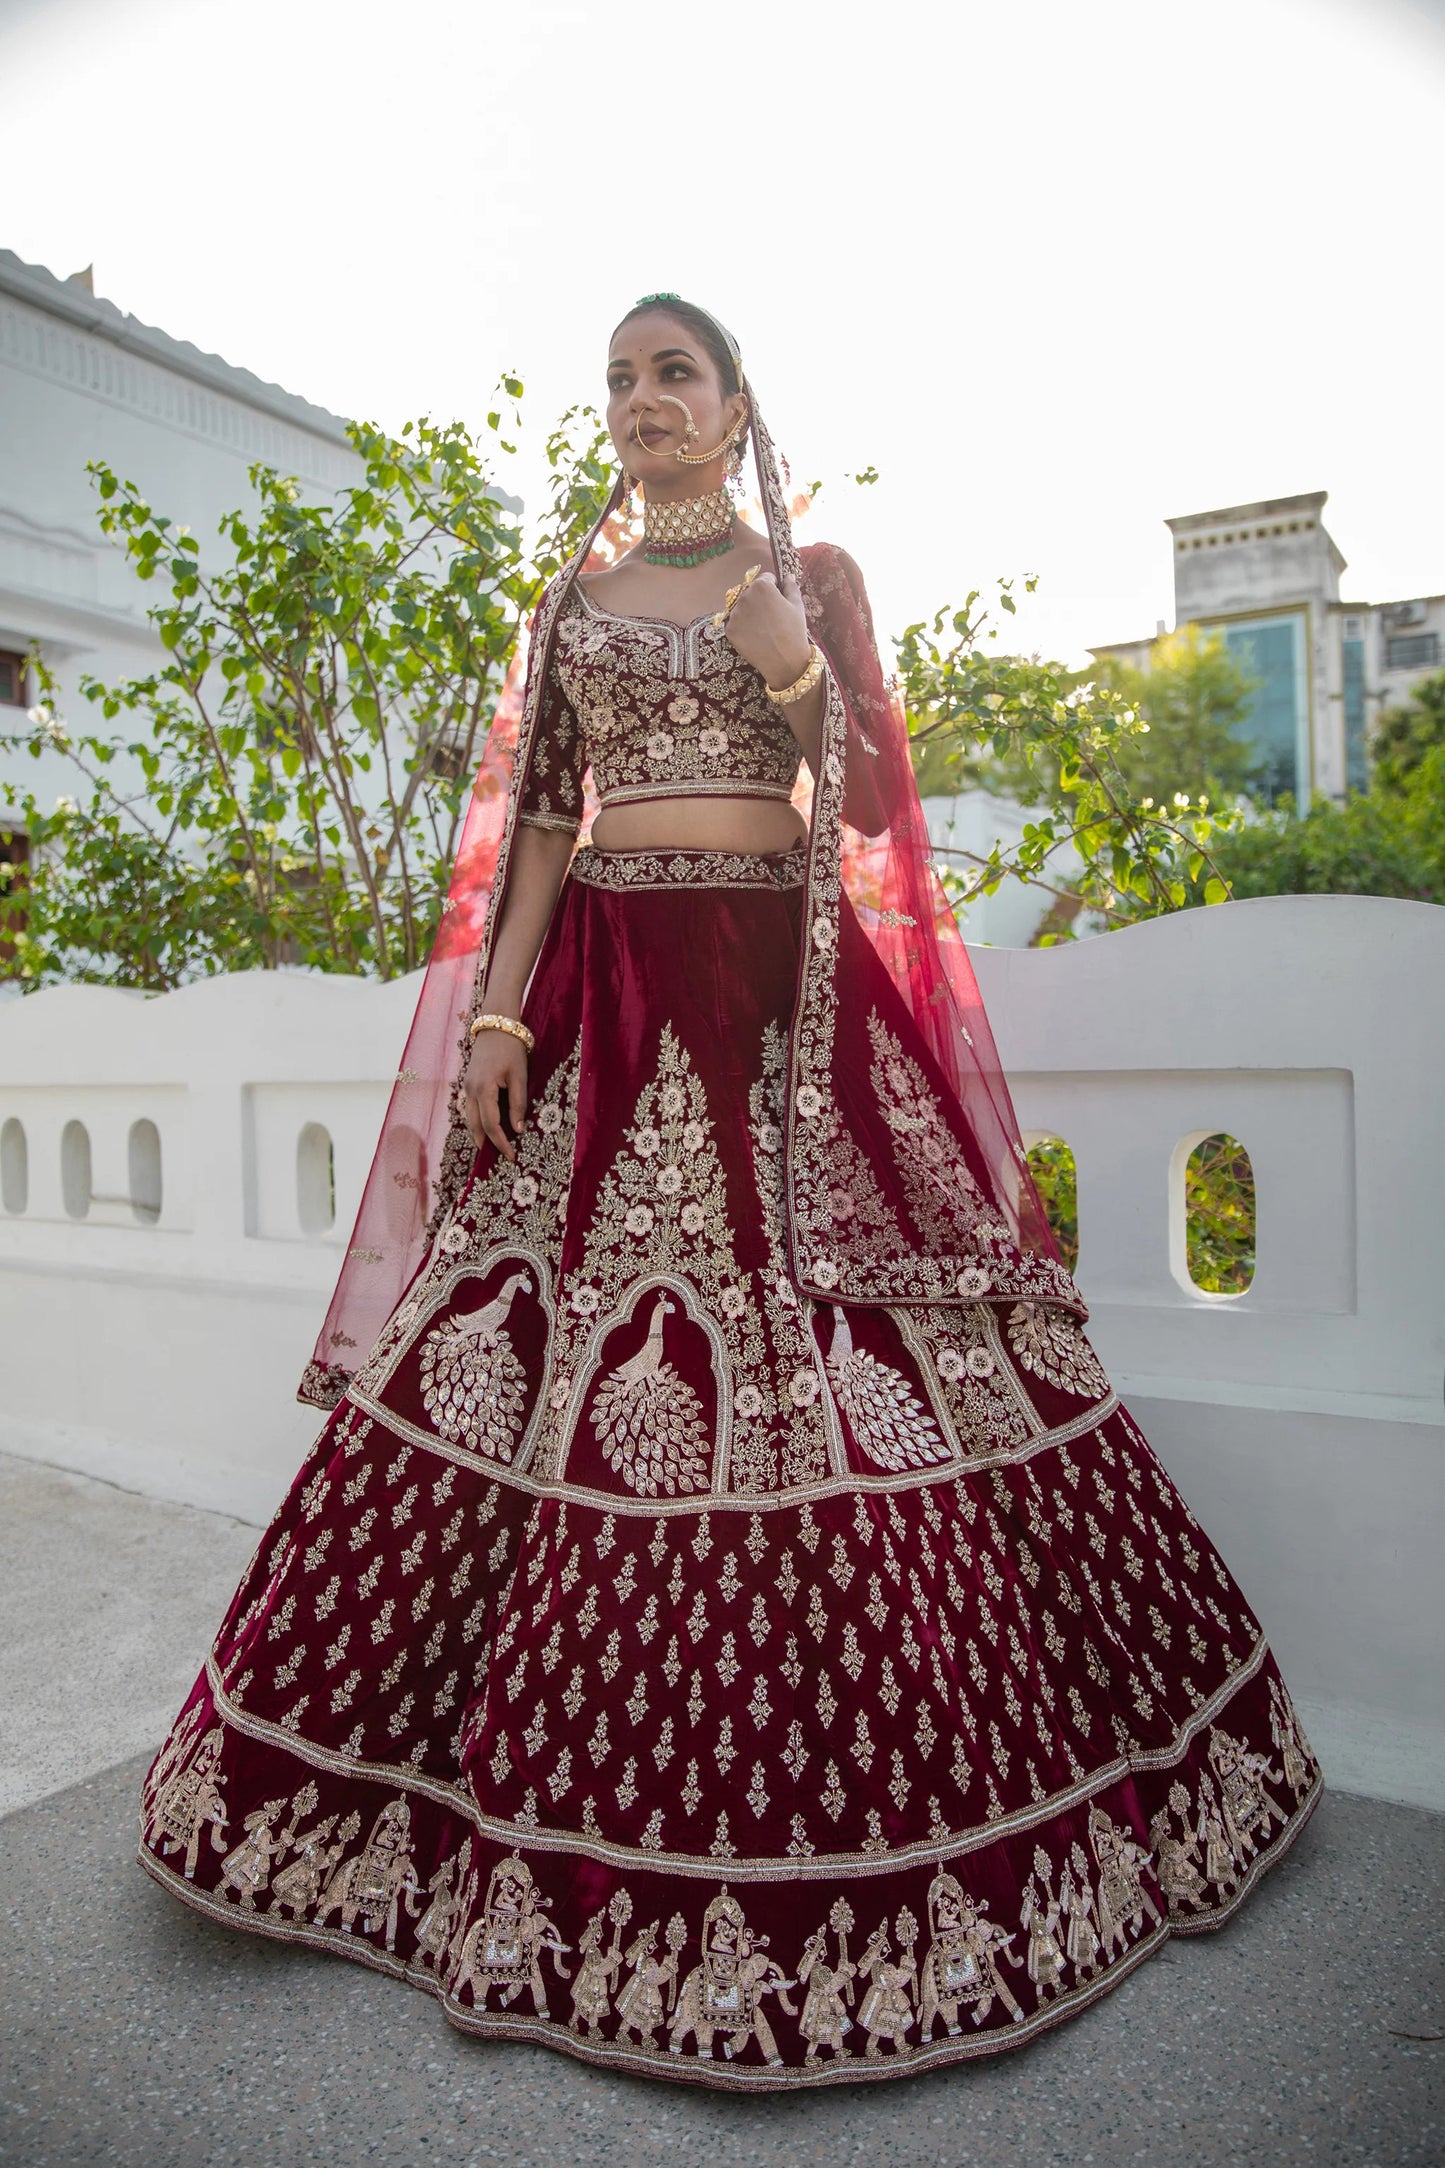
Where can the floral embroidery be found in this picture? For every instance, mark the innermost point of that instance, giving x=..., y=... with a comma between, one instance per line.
x=945, y=1199
x=625, y=870
x=650, y=705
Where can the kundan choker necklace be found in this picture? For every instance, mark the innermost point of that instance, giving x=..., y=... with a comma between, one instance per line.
x=689, y=532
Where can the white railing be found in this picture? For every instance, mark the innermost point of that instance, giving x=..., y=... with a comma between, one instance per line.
x=178, y=1177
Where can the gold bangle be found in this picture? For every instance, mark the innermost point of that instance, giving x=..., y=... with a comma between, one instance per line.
x=801, y=686
x=501, y=1023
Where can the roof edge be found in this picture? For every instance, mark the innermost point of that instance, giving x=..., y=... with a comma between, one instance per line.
x=1267, y=508
x=41, y=289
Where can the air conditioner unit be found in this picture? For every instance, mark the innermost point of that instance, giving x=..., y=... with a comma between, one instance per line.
x=1403, y=613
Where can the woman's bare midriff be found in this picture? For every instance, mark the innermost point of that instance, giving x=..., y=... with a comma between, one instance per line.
x=699, y=823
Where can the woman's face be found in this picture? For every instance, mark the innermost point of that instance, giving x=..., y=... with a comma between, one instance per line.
x=655, y=362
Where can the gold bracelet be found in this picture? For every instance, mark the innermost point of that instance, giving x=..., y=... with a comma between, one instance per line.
x=801, y=686
x=502, y=1023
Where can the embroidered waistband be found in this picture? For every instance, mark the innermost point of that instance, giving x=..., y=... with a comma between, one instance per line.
x=691, y=867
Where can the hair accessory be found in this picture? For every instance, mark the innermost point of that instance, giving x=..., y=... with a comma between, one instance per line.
x=687, y=533
x=801, y=686
x=509, y=1024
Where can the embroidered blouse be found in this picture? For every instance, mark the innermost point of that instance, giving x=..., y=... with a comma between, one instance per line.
x=656, y=710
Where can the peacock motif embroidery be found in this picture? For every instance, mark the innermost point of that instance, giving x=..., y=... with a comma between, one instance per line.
x=662, y=1209
x=650, y=1422
x=528, y=1199
x=1051, y=1343
x=473, y=1385
x=888, y=1420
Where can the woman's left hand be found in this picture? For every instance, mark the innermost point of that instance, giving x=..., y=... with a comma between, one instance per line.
x=768, y=627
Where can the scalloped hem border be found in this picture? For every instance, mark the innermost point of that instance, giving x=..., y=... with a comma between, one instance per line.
x=717, y=2076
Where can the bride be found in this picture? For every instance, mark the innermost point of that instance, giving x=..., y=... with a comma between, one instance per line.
x=728, y=1627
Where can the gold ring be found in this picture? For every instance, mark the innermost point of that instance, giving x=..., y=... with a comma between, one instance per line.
x=732, y=595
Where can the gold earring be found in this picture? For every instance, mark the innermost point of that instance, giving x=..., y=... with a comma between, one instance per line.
x=705, y=459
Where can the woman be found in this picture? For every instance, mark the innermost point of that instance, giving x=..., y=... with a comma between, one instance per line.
x=729, y=1528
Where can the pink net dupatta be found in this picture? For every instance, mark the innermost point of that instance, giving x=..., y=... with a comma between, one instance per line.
x=885, y=861
x=389, y=1240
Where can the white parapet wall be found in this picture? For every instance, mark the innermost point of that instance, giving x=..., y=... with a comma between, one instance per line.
x=179, y=1175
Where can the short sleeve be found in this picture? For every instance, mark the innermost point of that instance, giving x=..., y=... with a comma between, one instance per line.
x=552, y=796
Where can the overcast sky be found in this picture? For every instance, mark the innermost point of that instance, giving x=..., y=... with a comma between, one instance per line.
x=1058, y=271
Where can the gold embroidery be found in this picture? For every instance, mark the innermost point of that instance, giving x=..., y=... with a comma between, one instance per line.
x=962, y=1967
x=943, y=1196
x=887, y=1419
x=1122, y=1899
x=650, y=1422
x=724, y=1992
x=187, y=1799
x=473, y=1387
x=630, y=871
x=376, y=1881
x=1051, y=1343
x=658, y=705
x=886, y=2011
x=505, y=1946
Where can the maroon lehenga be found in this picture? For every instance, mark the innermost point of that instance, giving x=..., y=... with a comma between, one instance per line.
x=728, y=1628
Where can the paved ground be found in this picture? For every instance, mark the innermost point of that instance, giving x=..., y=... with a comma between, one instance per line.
x=107, y=1604
x=135, y=2035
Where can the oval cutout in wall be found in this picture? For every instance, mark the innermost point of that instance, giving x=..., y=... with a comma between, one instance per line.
x=76, y=1186
x=1056, y=1178
x=143, y=1154
x=1220, y=1218
x=315, y=1180
x=14, y=1166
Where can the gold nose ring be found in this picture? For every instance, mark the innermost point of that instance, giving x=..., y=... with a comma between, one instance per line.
x=665, y=398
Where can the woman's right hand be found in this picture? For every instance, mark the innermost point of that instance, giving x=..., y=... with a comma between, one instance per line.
x=498, y=1064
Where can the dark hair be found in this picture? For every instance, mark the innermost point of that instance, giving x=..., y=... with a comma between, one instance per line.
x=720, y=352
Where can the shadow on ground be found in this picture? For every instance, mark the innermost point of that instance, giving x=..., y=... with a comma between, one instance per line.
x=137, y=2035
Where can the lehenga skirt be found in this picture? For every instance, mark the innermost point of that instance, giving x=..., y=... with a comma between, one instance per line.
x=653, y=1663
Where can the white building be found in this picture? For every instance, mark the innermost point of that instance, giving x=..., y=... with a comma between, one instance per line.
x=80, y=380
x=1266, y=577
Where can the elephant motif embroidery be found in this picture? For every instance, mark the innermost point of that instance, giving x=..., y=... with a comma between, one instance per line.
x=724, y=1992
x=504, y=1948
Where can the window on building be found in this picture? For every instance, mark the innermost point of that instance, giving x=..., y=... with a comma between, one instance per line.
x=1352, y=652
x=1272, y=650
x=14, y=673
x=14, y=852
x=1412, y=651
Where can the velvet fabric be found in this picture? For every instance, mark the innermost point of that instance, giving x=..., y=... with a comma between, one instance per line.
x=662, y=1656
x=868, y=841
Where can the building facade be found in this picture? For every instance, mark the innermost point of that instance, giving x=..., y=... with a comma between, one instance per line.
x=1266, y=578
x=79, y=381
